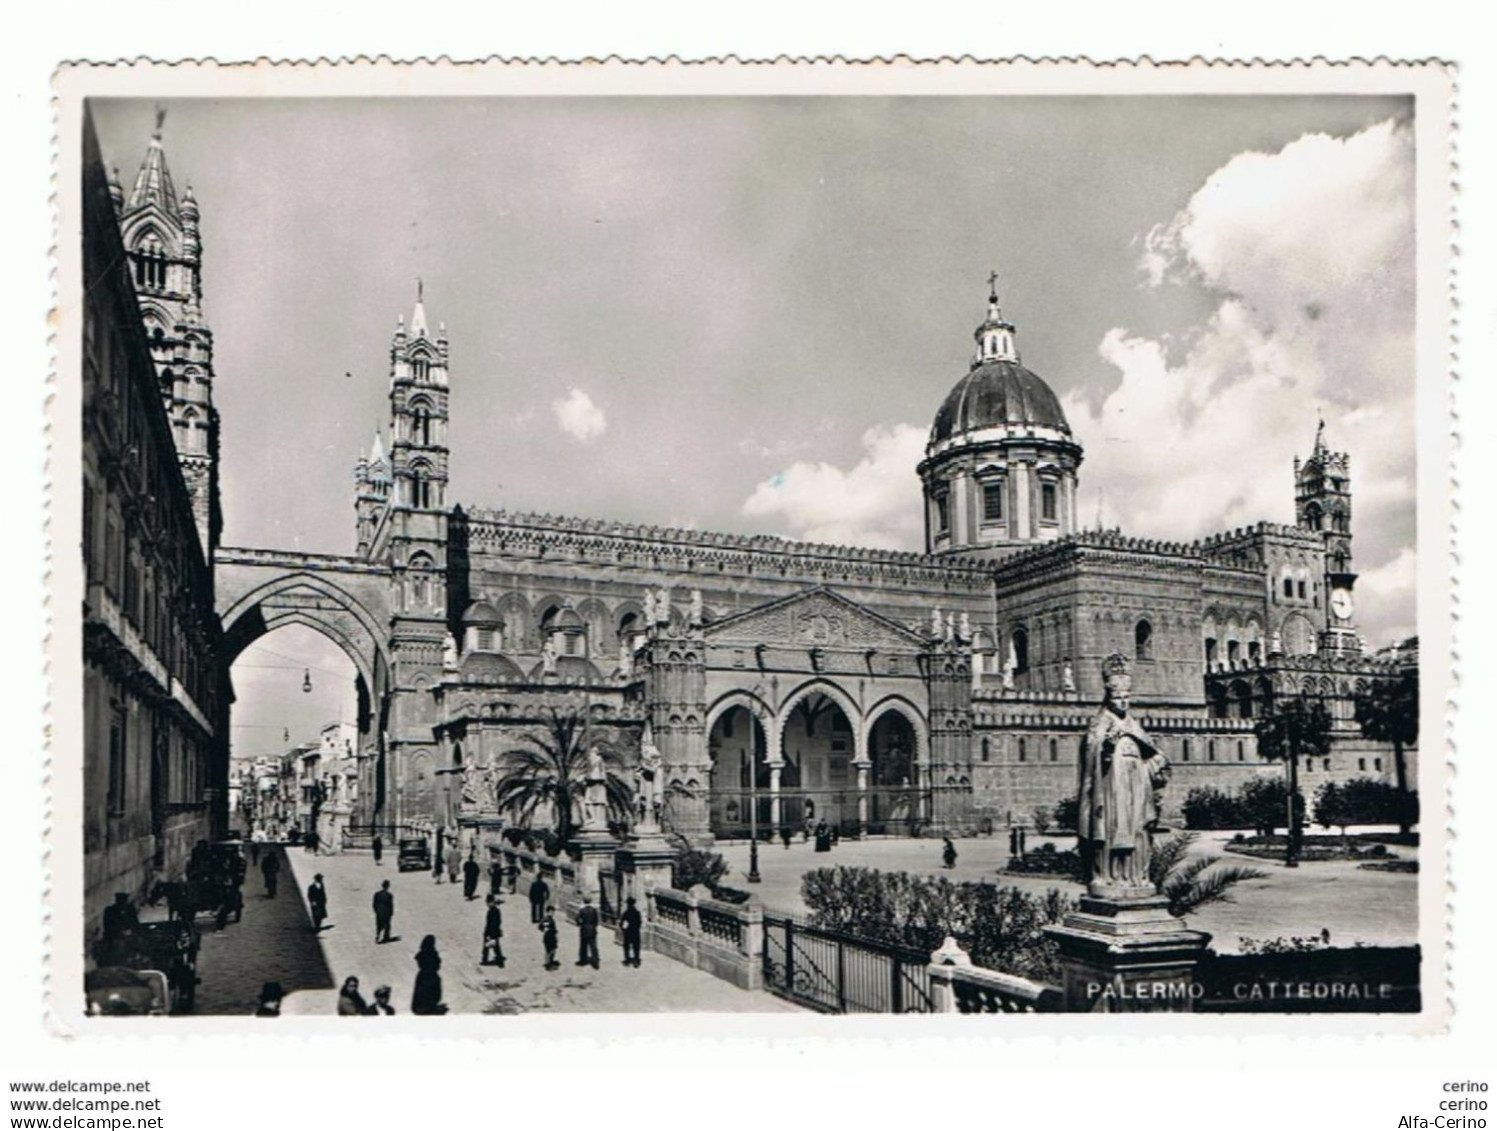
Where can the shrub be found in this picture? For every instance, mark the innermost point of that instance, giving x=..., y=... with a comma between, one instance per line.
x=694, y=866
x=1365, y=801
x=1259, y=805
x=1067, y=813
x=1002, y=928
x=1046, y=860
x=1041, y=815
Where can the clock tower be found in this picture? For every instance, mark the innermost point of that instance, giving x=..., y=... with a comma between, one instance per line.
x=1322, y=502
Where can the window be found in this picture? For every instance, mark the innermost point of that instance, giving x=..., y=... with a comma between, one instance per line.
x=1241, y=752
x=117, y=752
x=1234, y=652
x=1143, y=640
x=1021, y=650
x=1289, y=587
x=1023, y=751
x=728, y=725
x=1210, y=652
x=1377, y=764
x=1054, y=750
x=992, y=502
x=420, y=367
x=1302, y=594
x=1048, y=503
x=1362, y=765
x=986, y=749
x=1185, y=750
x=88, y=529
x=1211, y=751
x=485, y=639
x=943, y=514
x=1326, y=764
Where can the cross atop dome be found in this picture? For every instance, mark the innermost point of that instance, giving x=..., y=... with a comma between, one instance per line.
x=996, y=337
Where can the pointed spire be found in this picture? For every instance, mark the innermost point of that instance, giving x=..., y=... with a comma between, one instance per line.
x=418, y=316
x=153, y=184
x=1320, y=448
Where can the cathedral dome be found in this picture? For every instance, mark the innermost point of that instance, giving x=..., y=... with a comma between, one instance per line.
x=483, y=615
x=998, y=393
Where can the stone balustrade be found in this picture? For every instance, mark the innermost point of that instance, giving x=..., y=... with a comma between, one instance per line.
x=724, y=939
x=957, y=986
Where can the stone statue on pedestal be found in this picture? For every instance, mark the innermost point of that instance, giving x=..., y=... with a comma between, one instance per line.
x=548, y=656
x=1010, y=666
x=649, y=608
x=626, y=658
x=651, y=774
x=964, y=628
x=1068, y=679
x=937, y=628
x=449, y=653
x=949, y=633
x=1122, y=774
x=663, y=606
x=595, y=798
x=696, y=608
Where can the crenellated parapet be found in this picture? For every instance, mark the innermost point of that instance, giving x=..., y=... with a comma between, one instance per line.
x=604, y=541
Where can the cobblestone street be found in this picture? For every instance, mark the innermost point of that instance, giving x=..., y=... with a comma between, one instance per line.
x=523, y=985
x=273, y=943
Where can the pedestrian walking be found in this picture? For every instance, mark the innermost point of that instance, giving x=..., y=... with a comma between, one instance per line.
x=382, y=1006
x=377, y=846
x=270, y=868
x=384, y=912
x=633, y=930
x=317, y=901
x=1013, y=841
x=492, y=953
x=269, y=1004
x=496, y=877
x=1023, y=836
x=312, y=840
x=454, y=862
x=436, y=861
x=540, y=896
x=587, y=934
x=471, y=874
x=785, y=835
x=426, y=997
x=255, y=852
x=549, y=941
x=948, y=853
x=351, y=1003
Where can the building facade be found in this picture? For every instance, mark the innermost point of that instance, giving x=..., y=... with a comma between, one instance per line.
x=781, y=681
x=883, y=691
x=155, y=699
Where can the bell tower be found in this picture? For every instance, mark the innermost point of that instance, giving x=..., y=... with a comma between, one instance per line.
x=1322, y=503
x=163, y=241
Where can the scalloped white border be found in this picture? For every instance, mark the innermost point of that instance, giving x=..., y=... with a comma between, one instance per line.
x=1430, y=82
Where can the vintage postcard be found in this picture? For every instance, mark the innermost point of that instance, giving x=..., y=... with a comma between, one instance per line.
x=791, y=540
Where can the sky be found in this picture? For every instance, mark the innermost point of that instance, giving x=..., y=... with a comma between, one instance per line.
x=742, y=314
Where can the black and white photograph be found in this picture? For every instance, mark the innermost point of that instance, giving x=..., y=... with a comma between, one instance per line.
x=785, y=552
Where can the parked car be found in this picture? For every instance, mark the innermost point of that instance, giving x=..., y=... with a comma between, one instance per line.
x=413, y=855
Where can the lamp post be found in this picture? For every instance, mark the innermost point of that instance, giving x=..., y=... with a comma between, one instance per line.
x=753, y=872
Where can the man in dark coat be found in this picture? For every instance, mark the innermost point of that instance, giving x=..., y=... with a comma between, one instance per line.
x=540, y=895
x=496, y=877
x=120, y=918
x=549, y=941
x=471, y=874
x=493, y=931
x=587, y=932
x=317, y=901
x=378, y=847
x=270, y=868
x=384, y=912
x=632, y=924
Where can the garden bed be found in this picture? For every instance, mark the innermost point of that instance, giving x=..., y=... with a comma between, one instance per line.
x=1313, y=849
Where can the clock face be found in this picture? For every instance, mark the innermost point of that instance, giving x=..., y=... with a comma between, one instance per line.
x=1341, y=604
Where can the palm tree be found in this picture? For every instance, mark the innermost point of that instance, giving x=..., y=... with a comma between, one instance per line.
x=1292, y=728
x=1189, y=881
x=1389, y=712
x=550, y=773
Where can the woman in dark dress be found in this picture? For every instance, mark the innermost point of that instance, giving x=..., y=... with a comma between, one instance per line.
x=426, y=998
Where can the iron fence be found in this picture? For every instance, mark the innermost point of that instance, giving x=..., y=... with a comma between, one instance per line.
x=840, y=973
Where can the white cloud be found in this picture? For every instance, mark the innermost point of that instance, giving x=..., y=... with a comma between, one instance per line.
x=1390, y=588
x=869, y=504
x=1308, y=253
x=579, y=417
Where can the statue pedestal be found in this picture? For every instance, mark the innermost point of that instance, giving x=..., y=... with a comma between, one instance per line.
x=645, y=861
x=594, y=848
x=1127, y=955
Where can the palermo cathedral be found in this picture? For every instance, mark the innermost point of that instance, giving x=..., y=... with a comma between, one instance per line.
x=887, y=692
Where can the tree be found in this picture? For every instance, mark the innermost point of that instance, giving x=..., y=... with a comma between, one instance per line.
x=1293, y=728
x=1331, y=808
x=550, y=773
x=1189, y=882
x=1388, y=711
